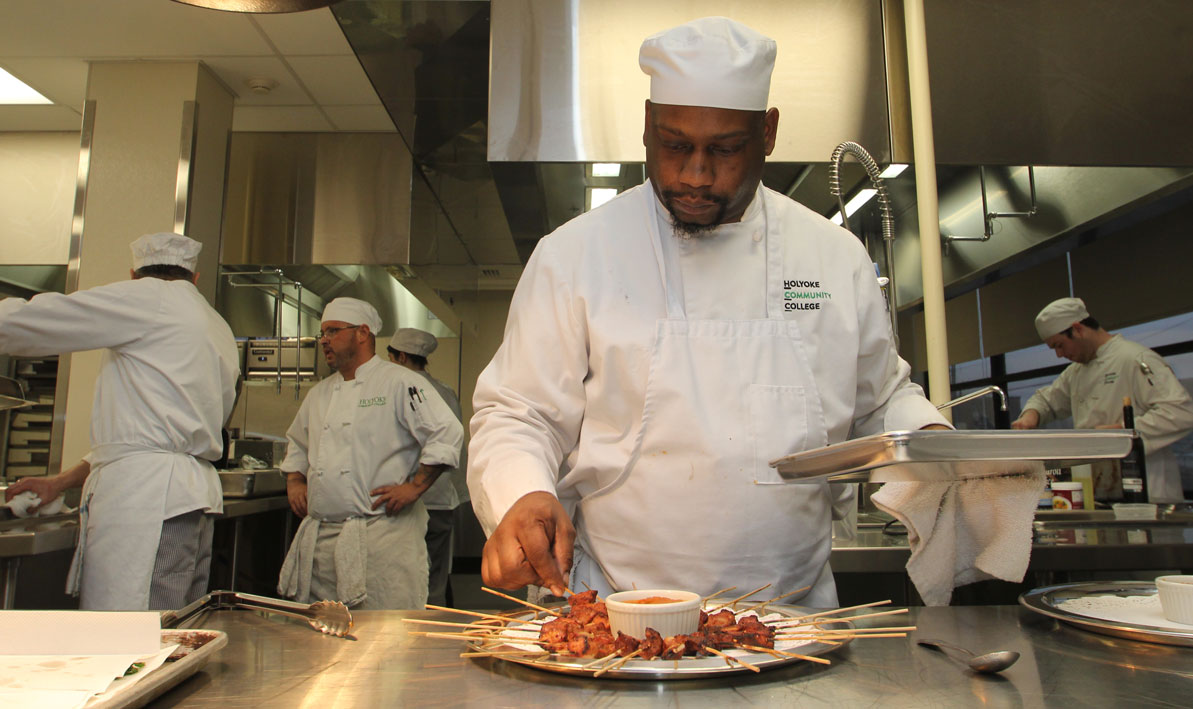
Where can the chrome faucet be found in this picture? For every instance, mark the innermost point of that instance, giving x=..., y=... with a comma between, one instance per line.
x=992, y=389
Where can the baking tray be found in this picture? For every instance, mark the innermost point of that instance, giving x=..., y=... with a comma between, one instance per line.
x=657, y=669
x=195, y=650
x=252, y=483
x=1047, y=600
x=865, y=459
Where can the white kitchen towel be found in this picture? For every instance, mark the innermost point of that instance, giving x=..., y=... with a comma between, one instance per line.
x=349, y=555
x=21, y=503
x=974, y=522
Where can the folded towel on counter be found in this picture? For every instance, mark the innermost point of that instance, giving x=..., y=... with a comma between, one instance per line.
x=21, y=503
x=973, y=522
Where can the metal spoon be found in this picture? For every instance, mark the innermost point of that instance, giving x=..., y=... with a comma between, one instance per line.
x=989, y=663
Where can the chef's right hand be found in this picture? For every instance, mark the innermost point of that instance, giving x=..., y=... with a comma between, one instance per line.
x=531, y=545
x=296, y=490
x=1030, y=418
x=46, y=488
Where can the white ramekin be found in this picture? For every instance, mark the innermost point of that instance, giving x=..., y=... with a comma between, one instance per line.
x=682, y=616
x=1176, y=598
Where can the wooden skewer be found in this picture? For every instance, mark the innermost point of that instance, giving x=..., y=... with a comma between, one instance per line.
x=469, y=636
x=840, y=636
x=834, y=611
x=519, y=600
x=618, y=663
x=775, y=599
x=739, y=598
x=714, y=594
x=599, y=660
x=478, y=626
x=477, y=614
x=859, y=617
x=502, y=653
x=851, y=631
x=784, y=653
x=738, y=660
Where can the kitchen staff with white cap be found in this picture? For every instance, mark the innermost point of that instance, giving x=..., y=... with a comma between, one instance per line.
x=410, y=348
x=367, y=442
x=166, y=386
x=661, y=349
x=1105, y=369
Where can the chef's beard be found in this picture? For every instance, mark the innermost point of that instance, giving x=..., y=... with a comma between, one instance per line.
x=692, y=230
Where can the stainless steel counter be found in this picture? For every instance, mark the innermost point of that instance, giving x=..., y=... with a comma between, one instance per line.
x=278, y=662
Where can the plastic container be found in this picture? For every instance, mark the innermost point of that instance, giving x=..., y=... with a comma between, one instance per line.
x=679, y=616
x=1176, y=598
x=1068, y=496
x=1134, y=510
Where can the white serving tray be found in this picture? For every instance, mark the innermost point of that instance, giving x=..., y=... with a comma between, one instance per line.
x=867, y=459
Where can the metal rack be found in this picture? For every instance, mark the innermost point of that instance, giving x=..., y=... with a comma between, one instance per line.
x=274, y=287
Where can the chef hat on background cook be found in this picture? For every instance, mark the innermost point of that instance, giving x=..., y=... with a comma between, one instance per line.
x=1059, y=315
x=712, y=61
x=353, y=312
x=166, y=249
x=413, y=341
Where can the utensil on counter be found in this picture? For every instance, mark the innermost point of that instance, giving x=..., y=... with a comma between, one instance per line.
x=989, y=663
x=328, y=617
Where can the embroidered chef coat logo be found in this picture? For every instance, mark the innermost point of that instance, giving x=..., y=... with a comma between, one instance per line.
x=375, y=401
x=803, y=295
x=1110, y=378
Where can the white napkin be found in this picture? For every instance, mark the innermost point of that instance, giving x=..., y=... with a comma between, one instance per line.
x=21, y=503
x=973, y=523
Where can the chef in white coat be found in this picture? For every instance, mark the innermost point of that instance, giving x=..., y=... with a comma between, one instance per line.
x=410, y=348
x=166, y=386
x=1105, y=369
x=661, y=349
x=366, y=444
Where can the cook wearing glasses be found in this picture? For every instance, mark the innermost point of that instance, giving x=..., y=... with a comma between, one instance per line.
x=366, y=443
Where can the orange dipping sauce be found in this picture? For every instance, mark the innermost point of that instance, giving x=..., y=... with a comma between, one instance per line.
x=655, y=599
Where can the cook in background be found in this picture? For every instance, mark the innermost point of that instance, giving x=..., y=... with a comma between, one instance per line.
x=1105, y=369
x=661, y=349
x=367, y=442
x=166, y=386
x=410, y=348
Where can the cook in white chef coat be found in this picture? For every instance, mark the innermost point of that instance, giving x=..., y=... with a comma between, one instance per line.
x=1105, y=369
x=410, y=348
x=166, y=386
x=661, y=349
x=366, y=444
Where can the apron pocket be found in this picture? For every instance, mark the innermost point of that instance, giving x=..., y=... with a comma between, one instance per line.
x=779, y=425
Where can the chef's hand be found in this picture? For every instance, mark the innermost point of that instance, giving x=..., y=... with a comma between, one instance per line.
x=936, y=427
x=46, y=488
x=395, y=497
x=531, y=545
x=1029, y=419
x=296, y=490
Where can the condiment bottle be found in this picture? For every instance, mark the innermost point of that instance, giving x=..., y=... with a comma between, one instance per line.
x=1133, y=466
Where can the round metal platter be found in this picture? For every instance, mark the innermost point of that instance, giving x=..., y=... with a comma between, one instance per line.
x=1047, y=600
x=659, y=669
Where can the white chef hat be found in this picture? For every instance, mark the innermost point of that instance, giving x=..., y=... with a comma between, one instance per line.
x=166, y=249
x=1059, y=315
x=413, y=341
x=712, y=61
x=353, y=312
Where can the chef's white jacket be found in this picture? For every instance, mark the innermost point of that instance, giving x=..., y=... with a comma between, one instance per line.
x=166, y=386
x=450, y=488
x=1092, y=393
x=351, y=437
x=561, y=405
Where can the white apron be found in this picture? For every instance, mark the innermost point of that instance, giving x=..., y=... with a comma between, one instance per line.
x=120, y=524
x=723, y=398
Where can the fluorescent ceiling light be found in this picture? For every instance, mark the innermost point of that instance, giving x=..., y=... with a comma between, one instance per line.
x=859, y=200
x=15, y=91
x=606, y=169
x=836, y=219
x=893, y=170
x=599, y=195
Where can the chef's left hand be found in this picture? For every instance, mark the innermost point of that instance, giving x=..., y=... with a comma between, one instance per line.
x=395, y=497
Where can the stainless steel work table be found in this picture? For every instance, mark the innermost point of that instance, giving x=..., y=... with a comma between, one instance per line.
x=279, y=662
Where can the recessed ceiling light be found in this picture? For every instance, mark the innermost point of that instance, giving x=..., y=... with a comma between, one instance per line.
x=859, y=199
x=599, y=195
x=606, y=169
x=15, y=91
x=893, y=170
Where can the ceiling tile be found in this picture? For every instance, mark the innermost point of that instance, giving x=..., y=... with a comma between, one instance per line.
x=249, y=119
x=335, y=80
x=361, y=118
x=235, y=72
x=311, y=32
